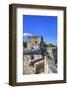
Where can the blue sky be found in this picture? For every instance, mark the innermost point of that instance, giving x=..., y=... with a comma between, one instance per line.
x=45, y=26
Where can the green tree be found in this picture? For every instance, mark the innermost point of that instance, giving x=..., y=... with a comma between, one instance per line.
x=44, y=44
x=51, y=45
x=45, y=53
x=24, y=44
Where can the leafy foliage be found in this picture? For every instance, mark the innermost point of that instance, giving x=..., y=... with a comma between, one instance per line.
x=46, y=54
x=24, y=44
x=48, y=45
x=51, y=45
x=44, y=44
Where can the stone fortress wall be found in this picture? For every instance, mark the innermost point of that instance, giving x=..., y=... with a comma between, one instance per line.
x=35, y=63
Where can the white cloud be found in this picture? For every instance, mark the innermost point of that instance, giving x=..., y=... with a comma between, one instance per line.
x=27, y=34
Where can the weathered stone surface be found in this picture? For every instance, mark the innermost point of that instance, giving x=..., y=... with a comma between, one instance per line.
x=42, y=66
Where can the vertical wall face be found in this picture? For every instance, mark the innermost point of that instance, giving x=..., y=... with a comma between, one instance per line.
x=55, y=55
x=33, y=42
x=46, y=66
x=39, y=67
x=50, y=51
x=51, y=62
x=27, y=69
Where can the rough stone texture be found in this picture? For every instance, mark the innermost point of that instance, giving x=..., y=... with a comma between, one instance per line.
x=50, y=51
x=44, y=66
x=34, y=42
x=39, y=67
